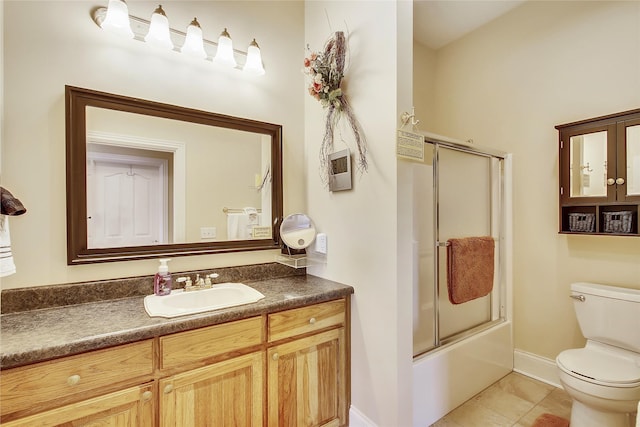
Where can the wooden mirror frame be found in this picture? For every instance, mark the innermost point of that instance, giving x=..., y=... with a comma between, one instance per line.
x=76, y=101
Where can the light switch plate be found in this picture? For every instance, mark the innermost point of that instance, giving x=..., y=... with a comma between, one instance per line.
x=321, y=243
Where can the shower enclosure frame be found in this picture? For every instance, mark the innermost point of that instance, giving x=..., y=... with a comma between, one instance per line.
x=484, y=152
x=463, y=364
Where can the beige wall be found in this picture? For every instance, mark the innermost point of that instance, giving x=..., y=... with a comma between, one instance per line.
x=424, y=85
x=68, y=48
x=506, y=86
x=361, y=224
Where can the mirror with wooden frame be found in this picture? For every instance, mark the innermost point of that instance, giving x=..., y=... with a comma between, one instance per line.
x=147, y=179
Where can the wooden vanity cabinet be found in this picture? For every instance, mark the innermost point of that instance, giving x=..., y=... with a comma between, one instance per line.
x=113, y=384
x=225, y=388
x=286, y=368
x=131, y=407
x=599, y=188
x=307, y=361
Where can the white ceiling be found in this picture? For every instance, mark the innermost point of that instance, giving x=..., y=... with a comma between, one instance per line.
x=437, y=23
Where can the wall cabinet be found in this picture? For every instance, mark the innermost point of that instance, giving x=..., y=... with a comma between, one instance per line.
x=286, y=368
x=600, y=175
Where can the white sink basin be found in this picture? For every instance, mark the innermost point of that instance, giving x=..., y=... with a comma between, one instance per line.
x=180, y=303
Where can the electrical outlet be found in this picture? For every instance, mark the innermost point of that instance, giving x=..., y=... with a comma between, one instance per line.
x=207, y=232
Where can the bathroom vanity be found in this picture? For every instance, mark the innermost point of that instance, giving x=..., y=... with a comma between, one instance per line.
x=281, y=361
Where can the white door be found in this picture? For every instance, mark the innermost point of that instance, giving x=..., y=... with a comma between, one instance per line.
x=126, y=202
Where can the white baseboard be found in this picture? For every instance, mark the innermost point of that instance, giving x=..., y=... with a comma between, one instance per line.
x=358, y=419
x=537, y=367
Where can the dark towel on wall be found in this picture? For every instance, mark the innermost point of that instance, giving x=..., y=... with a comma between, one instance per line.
x=470, y=265
x=9, y=205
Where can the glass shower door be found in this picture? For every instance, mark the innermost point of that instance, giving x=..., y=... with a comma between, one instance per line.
x=456, y=193
x=468, y=198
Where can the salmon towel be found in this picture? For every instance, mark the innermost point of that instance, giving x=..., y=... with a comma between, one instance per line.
x=470, y=268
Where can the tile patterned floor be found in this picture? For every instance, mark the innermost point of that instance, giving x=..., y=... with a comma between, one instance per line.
x=514, y=401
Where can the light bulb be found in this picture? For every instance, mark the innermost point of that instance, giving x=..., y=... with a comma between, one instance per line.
x=117, y=19
x=224, y=54
x=193, y=43
x=254, y=60
x=158, y=34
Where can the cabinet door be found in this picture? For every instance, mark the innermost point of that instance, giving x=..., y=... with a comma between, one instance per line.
x=588, y=159
x=227, y=393
x=132, y=407
x=307, y=381
x=628, y=187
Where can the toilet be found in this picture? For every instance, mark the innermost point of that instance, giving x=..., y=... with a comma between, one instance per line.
x=603, y=378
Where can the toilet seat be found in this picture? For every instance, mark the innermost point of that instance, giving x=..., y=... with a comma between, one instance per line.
x=600, y=367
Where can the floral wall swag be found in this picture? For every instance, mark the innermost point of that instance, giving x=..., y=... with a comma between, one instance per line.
x=326, y=70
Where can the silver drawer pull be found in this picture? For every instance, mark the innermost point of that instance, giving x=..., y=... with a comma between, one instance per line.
x=580, y=298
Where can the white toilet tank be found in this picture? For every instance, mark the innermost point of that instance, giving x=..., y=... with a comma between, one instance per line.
x=608, y=314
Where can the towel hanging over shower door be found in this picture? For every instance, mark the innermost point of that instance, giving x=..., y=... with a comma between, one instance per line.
x=470, y=268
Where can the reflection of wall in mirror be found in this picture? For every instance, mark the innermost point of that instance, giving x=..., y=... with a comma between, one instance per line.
x=221, y=165
x=588, y=164
x=633, y=160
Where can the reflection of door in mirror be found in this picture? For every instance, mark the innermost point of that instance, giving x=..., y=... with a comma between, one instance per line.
x=588, y=164
x=633, y=160
x=127, y=198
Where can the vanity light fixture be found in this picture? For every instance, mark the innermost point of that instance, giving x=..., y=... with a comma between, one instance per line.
x=194, y=43
x=224, y=54
x=117, y=19
x=254, y=60
x=157, y=32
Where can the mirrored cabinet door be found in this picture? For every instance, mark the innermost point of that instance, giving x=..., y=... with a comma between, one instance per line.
x=631, y=132
x=589, y=159
x=588, y=165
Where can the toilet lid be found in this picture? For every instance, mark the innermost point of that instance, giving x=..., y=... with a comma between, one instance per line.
x=600, y=367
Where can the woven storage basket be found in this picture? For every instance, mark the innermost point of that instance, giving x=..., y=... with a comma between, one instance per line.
x=617, y=222
x=584, y=222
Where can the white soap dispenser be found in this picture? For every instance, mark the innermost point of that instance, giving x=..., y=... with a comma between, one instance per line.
x=162, y=279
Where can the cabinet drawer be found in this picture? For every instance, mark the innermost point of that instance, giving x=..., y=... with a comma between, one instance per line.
x=30, y=386
x=193, y=346
x=303, y=320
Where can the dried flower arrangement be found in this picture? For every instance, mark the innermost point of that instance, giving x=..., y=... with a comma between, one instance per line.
x=326, y=71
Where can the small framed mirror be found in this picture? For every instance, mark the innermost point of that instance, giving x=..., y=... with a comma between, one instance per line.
x=146, y=179
x=297, y=231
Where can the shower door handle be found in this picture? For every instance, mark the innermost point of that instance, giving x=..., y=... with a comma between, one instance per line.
x=580, y=298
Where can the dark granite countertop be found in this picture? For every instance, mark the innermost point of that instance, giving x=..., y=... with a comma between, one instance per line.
x=36, y=335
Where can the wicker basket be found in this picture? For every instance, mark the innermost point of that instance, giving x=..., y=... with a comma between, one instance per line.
x=580, y=221
x=617, y=222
